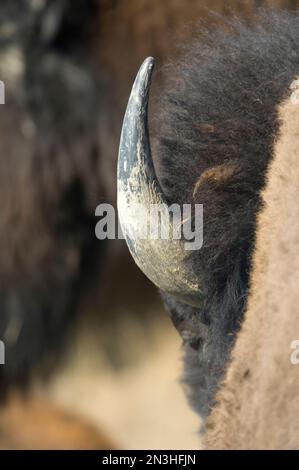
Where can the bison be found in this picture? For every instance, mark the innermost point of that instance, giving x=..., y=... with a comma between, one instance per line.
x=67, y=70
x=222, y=137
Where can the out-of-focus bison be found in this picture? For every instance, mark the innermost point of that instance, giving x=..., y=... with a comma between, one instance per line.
x=219, y=126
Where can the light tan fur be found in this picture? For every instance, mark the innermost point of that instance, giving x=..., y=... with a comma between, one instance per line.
x=258, y=403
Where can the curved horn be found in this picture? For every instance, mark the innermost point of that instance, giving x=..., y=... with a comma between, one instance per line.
x=163, y=261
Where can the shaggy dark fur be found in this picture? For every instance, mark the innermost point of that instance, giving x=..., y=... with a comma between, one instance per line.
x=218, y=123
x=49, y=175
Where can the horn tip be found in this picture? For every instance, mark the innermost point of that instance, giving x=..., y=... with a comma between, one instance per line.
x=148, y=64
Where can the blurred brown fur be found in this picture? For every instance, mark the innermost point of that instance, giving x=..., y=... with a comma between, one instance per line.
x=33, y=423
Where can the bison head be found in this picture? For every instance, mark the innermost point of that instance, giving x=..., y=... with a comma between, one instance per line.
x=217, y=125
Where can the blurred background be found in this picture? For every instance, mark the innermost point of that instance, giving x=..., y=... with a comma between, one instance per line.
x=92, y=359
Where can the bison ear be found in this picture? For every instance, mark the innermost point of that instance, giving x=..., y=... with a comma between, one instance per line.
x=163, y=261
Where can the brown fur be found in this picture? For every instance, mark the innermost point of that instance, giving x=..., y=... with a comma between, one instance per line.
x=217, y=175
x=258, y=405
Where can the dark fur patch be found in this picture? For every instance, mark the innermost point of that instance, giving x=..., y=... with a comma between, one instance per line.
x=220, y=111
